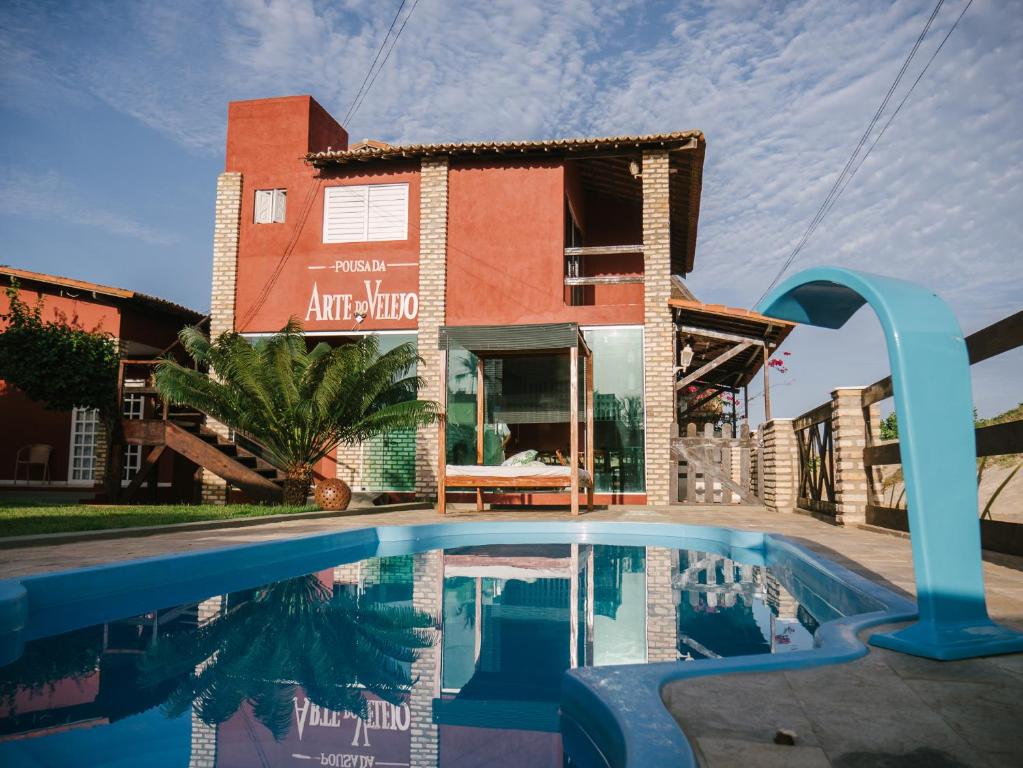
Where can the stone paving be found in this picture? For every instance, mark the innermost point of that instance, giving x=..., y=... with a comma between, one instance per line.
x=886, y=709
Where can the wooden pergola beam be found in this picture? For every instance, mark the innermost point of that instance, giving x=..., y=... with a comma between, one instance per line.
x=693, y=330
x=716, y=362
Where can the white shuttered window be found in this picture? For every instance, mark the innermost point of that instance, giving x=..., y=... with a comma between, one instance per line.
x=365, y=212
x=270, y=206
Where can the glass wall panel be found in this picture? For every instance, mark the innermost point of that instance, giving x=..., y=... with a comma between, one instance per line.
x=619, y=413
x=461, y=424
x=527, y=407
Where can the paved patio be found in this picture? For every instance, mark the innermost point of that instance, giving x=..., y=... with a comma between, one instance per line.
x=884, y=710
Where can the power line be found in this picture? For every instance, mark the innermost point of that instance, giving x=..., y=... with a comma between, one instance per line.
x=363, y=91
x=394, y=41
x=373, y=63
x=831, y=196
x=901, y=104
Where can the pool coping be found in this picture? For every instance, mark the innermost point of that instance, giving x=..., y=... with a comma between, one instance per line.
x=615, y=713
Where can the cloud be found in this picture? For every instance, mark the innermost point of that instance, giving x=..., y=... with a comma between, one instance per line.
x=782, y=90
x=51, y=197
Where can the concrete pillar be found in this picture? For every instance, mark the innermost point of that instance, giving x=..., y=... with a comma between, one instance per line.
x=427, y=596
x=658, y=350
x=781, y=465
x=226, y=227
x=433, y=243
x=852, y=428
x=661, y=609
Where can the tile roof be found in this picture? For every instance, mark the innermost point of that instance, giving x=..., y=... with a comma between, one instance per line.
x=365, y=151
x=96, y=288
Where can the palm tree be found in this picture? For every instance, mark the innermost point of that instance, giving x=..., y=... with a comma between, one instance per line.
x=292, y=633
x=298, y=403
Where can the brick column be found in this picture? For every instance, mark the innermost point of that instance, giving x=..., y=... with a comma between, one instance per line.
x=781, y=465
x=433, y=244
x=222, y=300
x=658, y=351
x=852, y=428
x=661, y=605
x=755, y=468
x=427, y=593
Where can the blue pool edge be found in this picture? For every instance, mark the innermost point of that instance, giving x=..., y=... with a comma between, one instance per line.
x=614, y=714
x=618, y=712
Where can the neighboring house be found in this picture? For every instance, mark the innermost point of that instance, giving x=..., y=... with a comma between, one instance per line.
x=144, y=326
x=404, y=240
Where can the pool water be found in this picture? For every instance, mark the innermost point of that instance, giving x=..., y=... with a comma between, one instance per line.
x=439, y=658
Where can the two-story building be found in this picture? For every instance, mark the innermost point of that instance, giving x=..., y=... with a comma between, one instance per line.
x=406, y=240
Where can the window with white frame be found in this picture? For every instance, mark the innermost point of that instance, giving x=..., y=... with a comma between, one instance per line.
x=134, y=408
x=84, y=432
x=366, y=212
x=270, y=206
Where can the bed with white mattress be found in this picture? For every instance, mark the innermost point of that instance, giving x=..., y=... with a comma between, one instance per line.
x=532, y=476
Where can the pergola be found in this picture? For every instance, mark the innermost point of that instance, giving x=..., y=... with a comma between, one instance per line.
x=487, y=342
x=726, y=347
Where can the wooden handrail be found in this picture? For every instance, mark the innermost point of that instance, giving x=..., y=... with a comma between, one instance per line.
x=815, y=416
x=992, y=440
x=988, y=342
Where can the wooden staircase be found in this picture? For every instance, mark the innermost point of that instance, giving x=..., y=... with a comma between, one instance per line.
x=187, y=436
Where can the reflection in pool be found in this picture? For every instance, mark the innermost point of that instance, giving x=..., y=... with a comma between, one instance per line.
x=442, y=658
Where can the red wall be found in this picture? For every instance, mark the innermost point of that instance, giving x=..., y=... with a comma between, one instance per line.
x=25, y=421
x=505, y=233
x=76, y=307
x=266, y=140
x=506, y=249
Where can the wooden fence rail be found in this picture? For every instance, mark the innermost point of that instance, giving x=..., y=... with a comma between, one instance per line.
x=992, y=440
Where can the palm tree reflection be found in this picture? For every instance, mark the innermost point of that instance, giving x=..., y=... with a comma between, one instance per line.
x=294, y=633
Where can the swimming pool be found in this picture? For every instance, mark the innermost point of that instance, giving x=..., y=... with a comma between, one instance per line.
x=539, y=644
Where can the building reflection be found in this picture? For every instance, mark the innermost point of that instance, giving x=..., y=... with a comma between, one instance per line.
x=475, y=677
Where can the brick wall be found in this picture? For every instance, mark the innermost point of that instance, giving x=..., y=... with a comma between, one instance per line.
x=388, y=462
x=658, y=352
x=348, y=466
x=433, y=237
x=349, y=573
x=222, y=300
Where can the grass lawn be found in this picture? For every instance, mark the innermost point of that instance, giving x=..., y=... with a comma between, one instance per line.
x=24, y=519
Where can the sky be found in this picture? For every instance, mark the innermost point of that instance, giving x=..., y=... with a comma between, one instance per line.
x=112, y=129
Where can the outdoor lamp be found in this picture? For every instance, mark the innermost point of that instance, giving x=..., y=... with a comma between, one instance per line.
x=686, y=356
